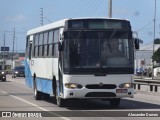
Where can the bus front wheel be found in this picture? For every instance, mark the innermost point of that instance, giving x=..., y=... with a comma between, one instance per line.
x=60, y=102
x=115, y=102
x=54, y=88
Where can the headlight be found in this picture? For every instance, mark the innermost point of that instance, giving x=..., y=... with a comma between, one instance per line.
x=73, y=85
x=16, y=72
x=2, y=72
x=126, y=85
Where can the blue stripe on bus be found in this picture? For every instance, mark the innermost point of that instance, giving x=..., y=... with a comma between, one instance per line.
x=44, y=85
x=28, y=75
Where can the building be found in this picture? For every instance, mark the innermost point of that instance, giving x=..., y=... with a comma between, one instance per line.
x=143, y=58
x=9, y=61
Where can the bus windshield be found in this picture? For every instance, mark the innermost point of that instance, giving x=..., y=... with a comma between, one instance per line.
x=19, y=68
x=97, y=49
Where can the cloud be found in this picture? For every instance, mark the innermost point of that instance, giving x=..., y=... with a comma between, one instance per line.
x=17, y=18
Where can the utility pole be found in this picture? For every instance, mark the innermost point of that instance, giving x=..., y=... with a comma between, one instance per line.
x=4, y=51
x=41, y=16
x=154, y=36
x=13, y=45
x=110, y=8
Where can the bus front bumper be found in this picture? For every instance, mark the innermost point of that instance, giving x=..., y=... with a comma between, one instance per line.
x=98, y=94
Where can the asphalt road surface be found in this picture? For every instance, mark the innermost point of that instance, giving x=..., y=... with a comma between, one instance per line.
x=17, y=99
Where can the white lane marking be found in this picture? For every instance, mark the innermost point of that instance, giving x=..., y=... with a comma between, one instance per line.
x=34, y=105
x=22, y=82
x=25, y=101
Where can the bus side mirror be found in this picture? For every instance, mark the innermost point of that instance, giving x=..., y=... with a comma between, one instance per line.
x=60, y=46
x=136, y=43
x=61, y=43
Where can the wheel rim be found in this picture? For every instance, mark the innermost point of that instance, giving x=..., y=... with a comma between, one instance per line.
x=35, y=92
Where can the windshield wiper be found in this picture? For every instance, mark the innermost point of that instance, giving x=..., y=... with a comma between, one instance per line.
x=112, y=35
x=78, y=36
x=109, y=47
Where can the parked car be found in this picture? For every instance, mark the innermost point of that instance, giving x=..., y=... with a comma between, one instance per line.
x=18, y=72
x=2, y=74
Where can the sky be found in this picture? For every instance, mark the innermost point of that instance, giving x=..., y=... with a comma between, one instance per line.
x=24, y=15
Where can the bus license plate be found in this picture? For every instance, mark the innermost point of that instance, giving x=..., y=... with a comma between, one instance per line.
x=121, y=91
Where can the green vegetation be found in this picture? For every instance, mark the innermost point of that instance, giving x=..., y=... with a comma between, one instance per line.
x=156, y=55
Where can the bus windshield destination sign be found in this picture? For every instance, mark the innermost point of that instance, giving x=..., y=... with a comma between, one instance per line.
x=98, y=24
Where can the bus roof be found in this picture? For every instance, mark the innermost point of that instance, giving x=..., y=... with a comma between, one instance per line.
x=47, y=27
x=98, y=18
x=61, y=23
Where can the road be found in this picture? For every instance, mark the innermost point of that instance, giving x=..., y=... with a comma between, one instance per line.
x=16, y=96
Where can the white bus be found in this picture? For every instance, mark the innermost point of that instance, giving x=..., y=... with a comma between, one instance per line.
x=83, y=58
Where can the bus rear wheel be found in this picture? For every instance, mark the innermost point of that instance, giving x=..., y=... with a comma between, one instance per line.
x=37, y=94
x=46, y=96
x=115, y=102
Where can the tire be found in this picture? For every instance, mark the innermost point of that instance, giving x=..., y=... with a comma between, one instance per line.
x=60, y=102
x=46, y=96
x=115, y=102
x=37, y=94
x=13, y=75
x=4, y=80
x=54, y=86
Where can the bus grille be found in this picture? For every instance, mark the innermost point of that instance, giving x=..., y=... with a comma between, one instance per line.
x=99, y=86
x=100, y=94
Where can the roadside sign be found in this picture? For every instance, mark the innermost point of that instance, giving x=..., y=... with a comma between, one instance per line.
x=157, y=41
x=4, y=48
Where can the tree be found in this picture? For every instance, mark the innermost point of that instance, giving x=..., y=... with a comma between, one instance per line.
x=156, y=56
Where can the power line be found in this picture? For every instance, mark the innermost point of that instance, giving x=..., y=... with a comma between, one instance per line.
x=94, y=7
x=144, y=26
x=74, y=7
x=142, y=30
x=88, y=6
x=80, y=6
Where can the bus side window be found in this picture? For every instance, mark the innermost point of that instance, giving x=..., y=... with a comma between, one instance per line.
x=50, y=44
x=30, y=46
x=41, y=45
x=36, y=42
x=45, y=52
x=55, y=43
x=27, y=48
x=30, y=51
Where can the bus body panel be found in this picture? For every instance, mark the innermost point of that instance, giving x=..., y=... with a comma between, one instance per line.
x=45, y=69
x=85, y=80
x=44, y=85
x=28, y=74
